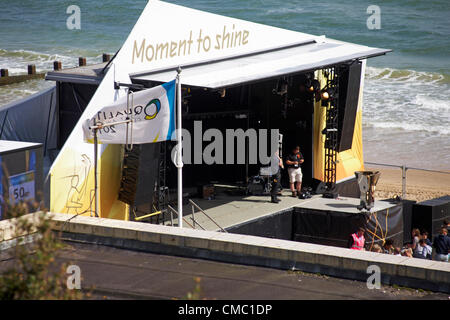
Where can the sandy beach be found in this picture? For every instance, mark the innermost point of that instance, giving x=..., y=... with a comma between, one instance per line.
x=420, y=185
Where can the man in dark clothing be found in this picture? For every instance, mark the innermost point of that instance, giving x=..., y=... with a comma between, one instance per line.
x=276, y=166
x=293, y=162
x=442, y=245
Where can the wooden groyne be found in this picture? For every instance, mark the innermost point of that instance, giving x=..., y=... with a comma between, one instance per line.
x=7, y=79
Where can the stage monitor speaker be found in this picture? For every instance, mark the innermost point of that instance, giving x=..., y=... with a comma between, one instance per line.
x=429, y=215
x=349, y=85
x=407, y=219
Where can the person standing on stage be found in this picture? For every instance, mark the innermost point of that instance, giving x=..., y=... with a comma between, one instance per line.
x=276, y=166
x=293, y=162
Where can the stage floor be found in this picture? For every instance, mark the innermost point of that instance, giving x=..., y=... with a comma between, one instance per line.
x=228, y=211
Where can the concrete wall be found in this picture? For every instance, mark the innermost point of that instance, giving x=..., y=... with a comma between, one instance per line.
x=243, y=249
x=235, y=248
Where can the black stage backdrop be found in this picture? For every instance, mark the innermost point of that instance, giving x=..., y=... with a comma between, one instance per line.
x=334, y=228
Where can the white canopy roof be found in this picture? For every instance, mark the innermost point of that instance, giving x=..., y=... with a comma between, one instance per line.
x=269, y=63
x=214, y=51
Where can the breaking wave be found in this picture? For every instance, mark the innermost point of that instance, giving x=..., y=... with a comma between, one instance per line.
x=284, y=10
x=373, y=73
x=407, y=100
x=442, y=130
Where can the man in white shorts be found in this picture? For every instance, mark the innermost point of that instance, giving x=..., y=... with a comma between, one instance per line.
x=293, y=162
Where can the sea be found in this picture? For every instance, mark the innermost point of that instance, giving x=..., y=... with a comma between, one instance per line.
x=406, y=105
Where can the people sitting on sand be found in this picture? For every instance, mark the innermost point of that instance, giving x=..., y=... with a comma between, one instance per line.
x=377, y=248
x=425, y=237
x=423, y=250
x=388, y=246
x=407, y=252
x=446, y=224
x=415, y=235
x=442, y=245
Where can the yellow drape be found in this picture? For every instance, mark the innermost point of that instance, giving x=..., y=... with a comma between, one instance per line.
x=350, y=160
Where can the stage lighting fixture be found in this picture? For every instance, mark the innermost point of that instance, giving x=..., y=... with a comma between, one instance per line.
x=326, y=130
x=284, y=88
x=314, y=86
x=328, y=94
x=308, y=82
x=281, y=87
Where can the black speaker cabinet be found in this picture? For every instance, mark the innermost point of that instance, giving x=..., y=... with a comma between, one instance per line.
x=349, y=85
x=130, y=171
x=407, y=219
x=139, y=173
x=430, y=214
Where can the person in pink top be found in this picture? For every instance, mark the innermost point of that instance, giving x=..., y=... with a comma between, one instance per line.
x=357, y=240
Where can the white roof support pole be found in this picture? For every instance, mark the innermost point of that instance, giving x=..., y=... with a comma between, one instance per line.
x=179, y=152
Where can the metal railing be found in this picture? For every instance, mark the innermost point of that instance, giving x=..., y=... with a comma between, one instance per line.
x=404, y=168
x=193, y=204
x=171, y=217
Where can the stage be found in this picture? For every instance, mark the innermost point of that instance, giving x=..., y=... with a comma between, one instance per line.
x=315, y=220
x=229, y=211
